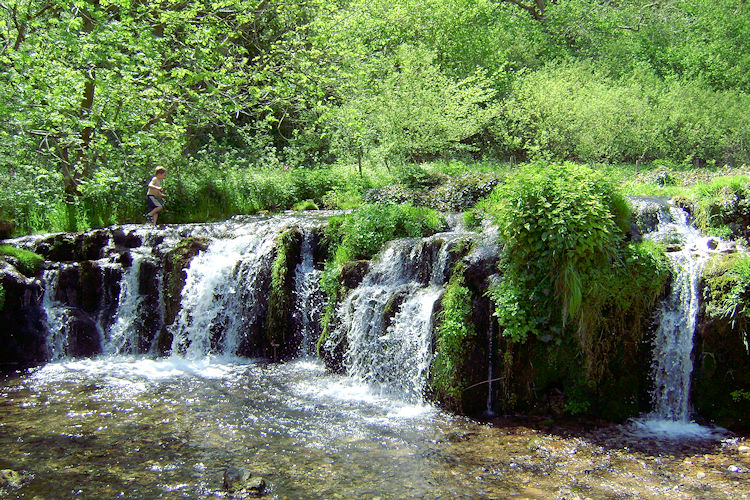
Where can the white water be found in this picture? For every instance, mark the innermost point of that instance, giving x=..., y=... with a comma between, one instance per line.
x=308, y=299
x=219, y=300
x=672, y=366
x=395, y=357
x=55, y=316
x=122, y=337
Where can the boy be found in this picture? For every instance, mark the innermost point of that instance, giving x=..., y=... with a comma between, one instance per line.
x=155, y=194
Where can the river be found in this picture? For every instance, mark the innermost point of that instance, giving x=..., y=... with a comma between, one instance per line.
x=135, y=427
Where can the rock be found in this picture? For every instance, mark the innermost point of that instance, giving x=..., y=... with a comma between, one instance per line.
x=240, y=481
x=712, y=244
x=744, y=449
x=234, y=478
x=353, y=272
x=6, y=229
x=10, y=478
x=673, y=247
x=700, y=475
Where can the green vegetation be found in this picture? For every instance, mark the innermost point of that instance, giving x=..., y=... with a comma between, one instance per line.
x=727, y=293
x=27, y=261
x=281, y=301
x=566, y=266
x=454, y=337
x=259, y=106
x=2, y=297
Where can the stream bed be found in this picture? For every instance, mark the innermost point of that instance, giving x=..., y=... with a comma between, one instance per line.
x=133, y=427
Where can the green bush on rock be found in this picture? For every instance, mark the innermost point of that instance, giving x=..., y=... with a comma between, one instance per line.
x=454, y=334
x=567, y=268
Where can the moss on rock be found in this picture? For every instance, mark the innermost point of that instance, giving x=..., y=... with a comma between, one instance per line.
x=279, y=319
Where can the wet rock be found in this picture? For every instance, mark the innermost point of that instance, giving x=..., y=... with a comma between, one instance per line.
x=673, y=247
x=238, y=480
x=712, y=244
x=354, y=272
x=22, y=334
x=175, y=263
x=6, y=229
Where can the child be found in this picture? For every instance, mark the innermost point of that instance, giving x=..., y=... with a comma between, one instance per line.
x=155, y=194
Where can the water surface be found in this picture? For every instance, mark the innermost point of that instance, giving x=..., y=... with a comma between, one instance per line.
x=168, y=428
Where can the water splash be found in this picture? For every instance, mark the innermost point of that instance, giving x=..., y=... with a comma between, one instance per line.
x=390, y=350
x=220, y=299
x=56, y=318
x=122, y=335
x=308, y=298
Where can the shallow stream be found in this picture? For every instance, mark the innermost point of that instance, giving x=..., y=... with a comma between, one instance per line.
x=169, y=428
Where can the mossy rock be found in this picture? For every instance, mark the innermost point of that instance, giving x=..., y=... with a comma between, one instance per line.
x=279, y=319
x=353, y=272
x=26, y=261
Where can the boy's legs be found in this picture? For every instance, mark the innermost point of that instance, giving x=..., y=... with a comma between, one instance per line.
x=155, y=205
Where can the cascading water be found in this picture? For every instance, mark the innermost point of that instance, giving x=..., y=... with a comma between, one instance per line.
x=122, y=337
x=392, y=351
x=673, y=343
x=220, y=298
x=56, y=318
x=308, y=298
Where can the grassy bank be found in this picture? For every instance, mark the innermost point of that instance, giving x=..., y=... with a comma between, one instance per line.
x=197, y=193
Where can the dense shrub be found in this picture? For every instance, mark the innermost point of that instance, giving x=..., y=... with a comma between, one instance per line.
x=454, y=335
x=576, y=111
x=727, y=293
x=722, y=207
x=566, y=266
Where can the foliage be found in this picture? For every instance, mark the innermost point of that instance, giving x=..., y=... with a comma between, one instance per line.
x=727, y=293
x=454, y=334
x=2, y=297
x=576, y=110
x=722, y=206
x=566, y=260
x=280, y=300
x=28, y=261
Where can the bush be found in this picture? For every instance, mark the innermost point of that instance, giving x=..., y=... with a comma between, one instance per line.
x=727, y=292
x=722, y=207
x=454, y=335
x=566, y=261
x=574, y=110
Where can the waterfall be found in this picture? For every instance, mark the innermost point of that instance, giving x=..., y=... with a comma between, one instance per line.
x=122, y=337
x=388, y=319
x=308, y=298
x=56, y=317
x=221, y=300
x=672, y=364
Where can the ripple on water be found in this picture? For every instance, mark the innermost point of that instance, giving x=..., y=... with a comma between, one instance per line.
x=170, y=427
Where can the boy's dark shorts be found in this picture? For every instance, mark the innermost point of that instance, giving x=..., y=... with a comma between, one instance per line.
x=153, y=202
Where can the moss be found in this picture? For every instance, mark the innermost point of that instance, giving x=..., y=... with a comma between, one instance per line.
x=27, y=261
x=305, y=205
x=722, y=373
x=2, y=297
x=281, y=299
x=454, y=335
